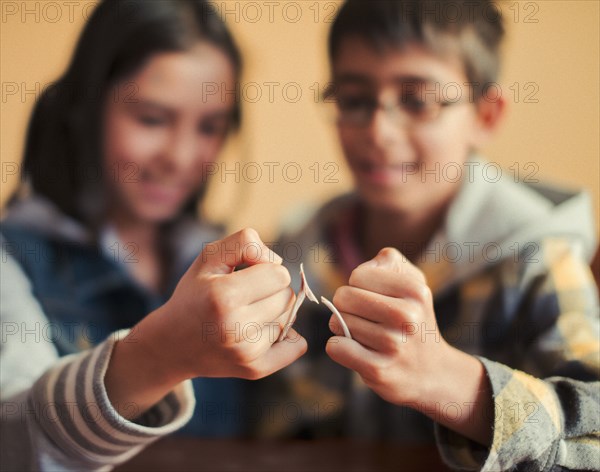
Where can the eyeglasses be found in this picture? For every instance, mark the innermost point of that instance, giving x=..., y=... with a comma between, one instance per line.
x=412, y=105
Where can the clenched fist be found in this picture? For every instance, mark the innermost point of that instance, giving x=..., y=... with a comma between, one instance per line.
x=218, y=323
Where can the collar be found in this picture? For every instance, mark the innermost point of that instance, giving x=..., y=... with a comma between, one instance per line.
x=37, y=214
x=489, y=221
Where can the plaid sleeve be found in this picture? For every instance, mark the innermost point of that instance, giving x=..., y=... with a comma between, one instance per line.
x=549, y=420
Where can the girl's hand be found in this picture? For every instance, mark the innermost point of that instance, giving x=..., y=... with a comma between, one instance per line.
x=218, y=323
x=222, y=323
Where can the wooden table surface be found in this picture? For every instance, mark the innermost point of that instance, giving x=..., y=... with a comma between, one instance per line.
x=215, y=455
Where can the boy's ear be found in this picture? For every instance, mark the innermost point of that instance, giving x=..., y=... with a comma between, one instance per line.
x=490, y=115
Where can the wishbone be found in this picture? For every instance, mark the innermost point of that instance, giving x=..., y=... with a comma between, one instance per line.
x=337, y=314
x=306, y=292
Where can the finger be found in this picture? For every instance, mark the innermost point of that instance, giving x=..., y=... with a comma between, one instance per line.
x=369, y=334
x=280, y=355
x=243, y=247
x=262, y=335
x=268, y=310
x=373, y=306
x=257, y=282
x=392, y=284
x=292, y=314
x=251, y=330
x=390, y=259
x=350, y=354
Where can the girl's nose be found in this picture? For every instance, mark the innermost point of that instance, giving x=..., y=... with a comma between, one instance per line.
x=181, y=150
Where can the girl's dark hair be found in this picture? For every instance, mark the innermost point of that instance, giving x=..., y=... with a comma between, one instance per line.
x=469, y=29
x=64, y=147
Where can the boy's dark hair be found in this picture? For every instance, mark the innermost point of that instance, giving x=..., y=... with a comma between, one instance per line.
x=64, y=146
x=469, y=29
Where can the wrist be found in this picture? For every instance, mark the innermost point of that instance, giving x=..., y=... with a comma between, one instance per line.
x=446, y=382
x=139, y=370
x=153, y=346
x=459, y=396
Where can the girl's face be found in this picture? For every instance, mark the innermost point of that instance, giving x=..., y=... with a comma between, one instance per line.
x=162, y=128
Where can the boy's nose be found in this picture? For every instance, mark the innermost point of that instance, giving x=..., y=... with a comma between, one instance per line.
x=384, y=129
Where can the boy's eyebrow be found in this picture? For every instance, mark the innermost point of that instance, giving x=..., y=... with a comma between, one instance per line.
x=418, y=79
x=351, y=78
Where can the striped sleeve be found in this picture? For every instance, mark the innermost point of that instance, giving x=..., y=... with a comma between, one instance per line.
x=549, y=417
x=66, y=421
x=70, y=407
x=55, y=413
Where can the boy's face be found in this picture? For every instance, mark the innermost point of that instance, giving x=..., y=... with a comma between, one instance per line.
x=406, y=158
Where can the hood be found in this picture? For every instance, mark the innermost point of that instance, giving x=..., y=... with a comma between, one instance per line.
x=40, y=216
x=488, y=223
x=492, y=221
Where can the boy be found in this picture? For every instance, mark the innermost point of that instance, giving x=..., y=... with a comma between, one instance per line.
x=453, y=281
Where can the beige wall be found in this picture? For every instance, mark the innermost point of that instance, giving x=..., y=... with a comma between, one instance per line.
x=552, y=52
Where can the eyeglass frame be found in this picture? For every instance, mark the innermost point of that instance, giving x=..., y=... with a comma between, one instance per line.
x=390, y=108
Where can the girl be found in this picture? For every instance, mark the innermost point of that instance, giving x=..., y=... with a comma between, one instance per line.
x=102, y=232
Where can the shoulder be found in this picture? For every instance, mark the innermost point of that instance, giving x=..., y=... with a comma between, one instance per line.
x=36, y=215
x=513, y=215
x=13, y=278
x=57, y=254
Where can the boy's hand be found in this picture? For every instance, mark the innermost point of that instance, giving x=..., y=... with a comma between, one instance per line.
x=397, y=347
x=224, y=323
x=399, y=352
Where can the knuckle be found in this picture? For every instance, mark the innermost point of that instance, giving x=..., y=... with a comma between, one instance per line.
x=219, y=304
x=409, y=315
x=424, y=293
x=389, y=344
x=209, y=250
x=240, y=354
x=334, y=326
x=377, y=374
x=392, y=259
x=356, y=277
x=248, y=235
x=220, y=299
x=342, y=294
x=230, y=339
x=303, y=347
x=282, y=275
x=420, y=275
x=398, y=311
x=390, y=253
x=252, y=373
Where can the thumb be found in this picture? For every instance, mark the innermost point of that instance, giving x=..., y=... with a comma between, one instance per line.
x=244, y=247
x=389, y=259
